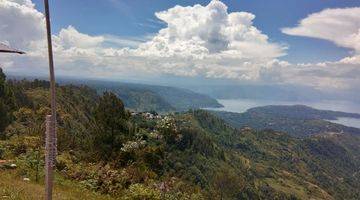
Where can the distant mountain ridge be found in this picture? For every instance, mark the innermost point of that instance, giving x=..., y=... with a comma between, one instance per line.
x=275, y=92
x=141, y=97
x=298, y=120
x=301, y=112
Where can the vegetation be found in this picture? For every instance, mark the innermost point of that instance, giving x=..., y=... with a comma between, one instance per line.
x=106, y=152
x=299, y=121
x=7, y=102
x=13, y=187
x=141, y=97
x=300, y=112
x=112, y=127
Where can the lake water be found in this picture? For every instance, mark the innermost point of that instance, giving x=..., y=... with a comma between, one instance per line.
x=242, y=105
x=351, y=122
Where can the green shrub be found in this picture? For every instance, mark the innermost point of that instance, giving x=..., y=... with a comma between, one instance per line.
x=142, y=192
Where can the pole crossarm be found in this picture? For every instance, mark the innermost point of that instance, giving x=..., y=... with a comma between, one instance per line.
x=6, y=49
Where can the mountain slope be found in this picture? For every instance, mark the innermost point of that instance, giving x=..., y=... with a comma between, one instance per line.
x=141, y=97
x=326, y=166
x=299, y=112
x=191, y=155
x=299, y=121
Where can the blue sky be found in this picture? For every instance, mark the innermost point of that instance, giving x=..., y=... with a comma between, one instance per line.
x=136, y=18
x=313, y=43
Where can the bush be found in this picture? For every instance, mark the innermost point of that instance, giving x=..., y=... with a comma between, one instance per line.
x=31, y=165
x=142, y=192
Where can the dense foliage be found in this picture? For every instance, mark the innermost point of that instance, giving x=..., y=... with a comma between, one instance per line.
x=7, y=102
x=192, y=155
x=111, y=126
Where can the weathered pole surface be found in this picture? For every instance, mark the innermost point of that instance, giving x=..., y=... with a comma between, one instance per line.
x=49, y=157
x=51, y=134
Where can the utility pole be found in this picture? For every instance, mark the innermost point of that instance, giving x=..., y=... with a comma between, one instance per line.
x=50, y=120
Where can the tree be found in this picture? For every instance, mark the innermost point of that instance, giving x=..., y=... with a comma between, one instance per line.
x=7, y=102
x=111, y=120
x=228, y=183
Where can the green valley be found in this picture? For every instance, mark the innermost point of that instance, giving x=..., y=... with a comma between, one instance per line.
x=108, y=152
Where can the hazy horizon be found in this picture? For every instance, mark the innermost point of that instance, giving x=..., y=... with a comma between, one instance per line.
x=235, y=43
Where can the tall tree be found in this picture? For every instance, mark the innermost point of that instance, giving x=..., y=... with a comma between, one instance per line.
x=112, y=125
x=7, y=103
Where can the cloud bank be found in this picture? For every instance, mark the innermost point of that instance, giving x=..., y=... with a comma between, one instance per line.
x=198, y=41
x=340, y=26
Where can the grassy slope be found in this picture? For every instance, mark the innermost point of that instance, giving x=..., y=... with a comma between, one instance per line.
x=13, y=187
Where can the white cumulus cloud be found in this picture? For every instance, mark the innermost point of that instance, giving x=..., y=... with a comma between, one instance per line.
x=197, y=41
x=340, y=26
x=20, y=23
x=210, y=30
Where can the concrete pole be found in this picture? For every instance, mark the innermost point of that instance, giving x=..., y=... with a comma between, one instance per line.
x=52, y=127
x=49, y=142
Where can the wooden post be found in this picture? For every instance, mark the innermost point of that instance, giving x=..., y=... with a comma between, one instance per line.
x=51, y=120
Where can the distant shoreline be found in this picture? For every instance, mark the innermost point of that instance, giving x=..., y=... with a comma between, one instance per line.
x=242, y=105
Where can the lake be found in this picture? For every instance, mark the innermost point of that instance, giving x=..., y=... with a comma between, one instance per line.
x=351, y=122
x=242, y=105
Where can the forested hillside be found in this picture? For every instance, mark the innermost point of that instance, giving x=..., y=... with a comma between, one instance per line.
x=299, y=121
x=108, y=153
x=141, y=97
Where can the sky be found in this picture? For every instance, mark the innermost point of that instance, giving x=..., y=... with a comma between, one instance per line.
x=312, y=43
